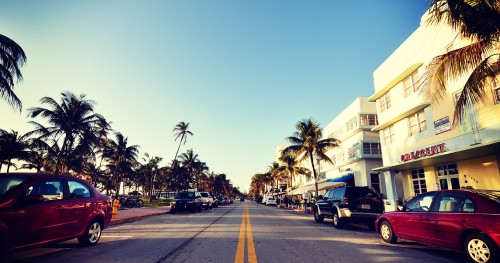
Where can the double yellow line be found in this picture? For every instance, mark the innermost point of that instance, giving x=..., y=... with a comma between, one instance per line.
x=246, y=228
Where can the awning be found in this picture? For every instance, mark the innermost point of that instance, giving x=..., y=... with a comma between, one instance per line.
x=344, y=178
x=325, y=185
x=300, y=190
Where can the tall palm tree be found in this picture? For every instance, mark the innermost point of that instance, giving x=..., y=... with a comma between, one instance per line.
x=72, y=125
x=121, y=159
x=181, y=130
x=307, y=143
x=475, y=20
x=12, y=147
x=12, y=57
x=276, y=175
x=291, y=166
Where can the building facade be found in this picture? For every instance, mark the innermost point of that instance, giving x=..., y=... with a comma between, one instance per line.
x=422, y=149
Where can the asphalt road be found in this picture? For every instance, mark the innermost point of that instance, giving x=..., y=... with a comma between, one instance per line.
x=241, y=232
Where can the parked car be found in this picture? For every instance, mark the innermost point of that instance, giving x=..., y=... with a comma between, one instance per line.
x=207, y=200
x=220, y=200
x=64, y=208
x=466, y=220
x=346, y=204
x=270, y=201
x=186, y=200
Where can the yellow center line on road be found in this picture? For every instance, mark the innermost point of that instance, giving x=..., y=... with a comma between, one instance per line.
x=245, y=229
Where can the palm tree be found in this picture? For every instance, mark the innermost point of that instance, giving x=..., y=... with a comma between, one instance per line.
x=121, y=159
x=200, y=170
x=12, y=147
x=12, y=57
x=178, y=177
x=190, y=160
x=72, y=124
x=181, y=130
x=306, y=143
x=151, y=168
x=479, y=22
x=291, y=166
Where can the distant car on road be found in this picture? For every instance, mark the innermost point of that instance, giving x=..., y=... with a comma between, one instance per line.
x=466, y=220
x=270, y=201
x=207, y=200
x=186, y=201
x=39, y=209
x=346, y=204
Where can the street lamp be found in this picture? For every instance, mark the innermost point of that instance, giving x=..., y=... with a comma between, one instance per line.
x=151, y=185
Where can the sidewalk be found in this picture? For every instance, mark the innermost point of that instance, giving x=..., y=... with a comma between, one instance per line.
x=133, y=214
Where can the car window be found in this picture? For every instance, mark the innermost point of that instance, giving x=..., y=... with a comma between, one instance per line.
x=338, y=193
x=469, y=206
x=185, y=195
x=420, y=203
x=363, y=193
x=9, y=182
x=450, y=203
x=78, y=189
x=204, y=194
x=50, y=189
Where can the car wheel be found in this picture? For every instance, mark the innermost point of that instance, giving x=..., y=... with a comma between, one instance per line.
x=387, y=233
x=317, y=217
x=92, y=234
x=480, y=248
x=337, y=222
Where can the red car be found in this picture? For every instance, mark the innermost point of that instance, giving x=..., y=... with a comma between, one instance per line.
x=465, y=220
x=38, y=209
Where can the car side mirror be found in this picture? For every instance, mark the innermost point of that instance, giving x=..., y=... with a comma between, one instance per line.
x=320, y=197
x=32, y=199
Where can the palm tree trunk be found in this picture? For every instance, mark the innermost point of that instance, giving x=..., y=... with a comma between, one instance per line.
x=315, y=175
x=182, y=138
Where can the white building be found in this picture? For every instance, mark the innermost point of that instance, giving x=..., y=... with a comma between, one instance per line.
x=421, y=148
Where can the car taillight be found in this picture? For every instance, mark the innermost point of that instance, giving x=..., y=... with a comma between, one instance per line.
x=345, y=200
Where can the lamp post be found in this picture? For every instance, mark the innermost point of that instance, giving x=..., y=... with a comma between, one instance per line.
x=151, y=185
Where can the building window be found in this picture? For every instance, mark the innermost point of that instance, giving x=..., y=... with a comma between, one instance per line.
x=416, y=123
x=353, y=152
x=375, y=179
x=418, y=178
x=388, y=135
x=496, y=89
x=447, y=169
x=369, y=119
x=384, y=102
x=351, y=124
x=411, y=83
x=371, y=148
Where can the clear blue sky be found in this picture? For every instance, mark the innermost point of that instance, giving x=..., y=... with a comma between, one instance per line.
x=242, y=73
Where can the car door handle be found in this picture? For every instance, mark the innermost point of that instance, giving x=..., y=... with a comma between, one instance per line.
x=59, y=207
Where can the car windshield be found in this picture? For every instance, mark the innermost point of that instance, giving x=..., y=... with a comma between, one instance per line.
x=9, y=182
x=493, y=195
x=185, y=195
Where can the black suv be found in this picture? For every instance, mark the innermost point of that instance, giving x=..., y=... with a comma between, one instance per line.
x=186, y=200
x=345, y=204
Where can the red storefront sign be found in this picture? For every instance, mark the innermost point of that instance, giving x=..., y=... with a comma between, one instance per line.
x=429, y=151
